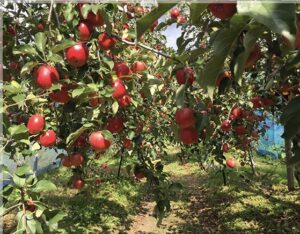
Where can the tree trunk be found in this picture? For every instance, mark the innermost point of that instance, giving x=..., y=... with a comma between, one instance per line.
x=252, y=161
x=290, y=168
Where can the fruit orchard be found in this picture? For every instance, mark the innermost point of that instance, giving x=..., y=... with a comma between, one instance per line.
x=88, y=80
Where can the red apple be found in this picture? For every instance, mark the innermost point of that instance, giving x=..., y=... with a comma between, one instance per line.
x=185, y=117
x=76, y=160
x=124, y=101
x=106, y=42
x=78, y=183
x=119, y=89
x=237, y=112
x=231, y=163
x=94, y=99
x=121, y=69
x=225, y=147
x=138, y=171
x=174, y=13
x=66, y=161
x=84, y=31
x=12, y=30
x=35, y=124
x=222, y=10
x=188, y=136
x=127, y=144
x=240, y=130
x=256, y=101
x=48, y=138
x=77, y=55
x=253, y=57
x=184, y=75
x=30, y=206
x=98, y=141
x=115, y=124
x=181, y=19
x=60, y=96
x=225, y=126
x=46, y=75
x=40, y=26
x=138, y=66
x=80, y=141
x=223, y=75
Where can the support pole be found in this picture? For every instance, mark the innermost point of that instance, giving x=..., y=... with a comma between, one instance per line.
x=290, y=168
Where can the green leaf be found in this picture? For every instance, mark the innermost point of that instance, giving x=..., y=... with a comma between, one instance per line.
x=107, y=22
x=40, y=41
x=19, y=181
x=27, y=68
x=115, y=107
x=250, y=38
x=222, y=46
x=24, y=49
x=38, y=227
x=74, y=135
x=85, y=9
x=52, y=223
x=31, y=224
x=279, y=17
x=63, y=45
x=23, y=170
x=19, y=98
x=146, y=21
x=77, y=92
x=17, y=129
x=44, y=186
x=180, y=95
x=108, y=135
x=196, y=9
x=68, y=12
x=55, y=58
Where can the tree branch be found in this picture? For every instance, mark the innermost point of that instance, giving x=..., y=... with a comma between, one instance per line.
x=145, y=47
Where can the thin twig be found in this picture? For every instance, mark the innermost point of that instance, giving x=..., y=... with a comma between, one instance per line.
x=145, y=47
x=50, y=12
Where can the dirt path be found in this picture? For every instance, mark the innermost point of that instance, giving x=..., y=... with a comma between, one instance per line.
x=191, y=213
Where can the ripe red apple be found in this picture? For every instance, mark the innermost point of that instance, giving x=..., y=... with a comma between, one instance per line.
x=84, y=31
x=46, y=75
x=188, y=135
x=138, y=171
x=35, y=124
x=124, y=101
x=231, y=163
x=115, y=124
x=125, y=26
x=121, y=69
x=184, y=75
x=15, y=66
x=138, y=66
x=77, y=55
x=127, y=144
x=98, y=141
x=94, y=19
x=60, y=96
x=253, y=57
x=154, y=25
x=174, y=13
x=225, y=126
x=181, y=19
x=139, y=10
x=256, y=101
x=30, y=206
x=78, y=183
x=80, y=141
x=240, y=130
x=12, y=30
x=185, y=117
x=48, y=138
x=106, y=42
x=119, y=89
x=267, y=102
x=222, y=10
x=223, y=75
x=237, y=112
x=76, y=159
x=225, y=147
x=94, y=99
x=66, y=161
x=40, y=26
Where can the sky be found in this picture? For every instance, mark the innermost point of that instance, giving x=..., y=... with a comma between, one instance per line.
x=171, y=33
